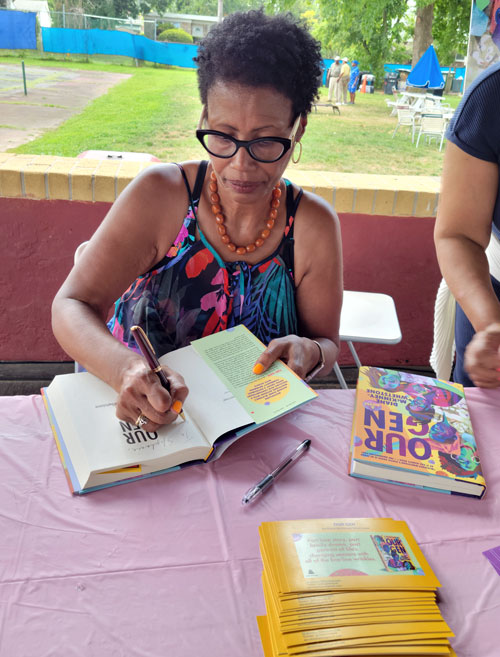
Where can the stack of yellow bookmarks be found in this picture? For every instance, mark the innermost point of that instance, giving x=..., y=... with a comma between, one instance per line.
x=354, y=586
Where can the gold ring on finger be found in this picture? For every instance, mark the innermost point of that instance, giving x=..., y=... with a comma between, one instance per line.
x=141, y=421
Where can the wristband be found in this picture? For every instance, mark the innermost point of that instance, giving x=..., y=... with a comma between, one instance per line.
x=319, y=366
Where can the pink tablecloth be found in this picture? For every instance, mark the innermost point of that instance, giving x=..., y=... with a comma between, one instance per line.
x=170, y=566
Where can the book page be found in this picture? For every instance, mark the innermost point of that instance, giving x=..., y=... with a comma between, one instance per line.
x=97, y=441
x=210, y=404
x=232, y=355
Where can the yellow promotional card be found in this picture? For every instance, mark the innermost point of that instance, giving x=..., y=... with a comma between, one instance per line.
x=345, y=554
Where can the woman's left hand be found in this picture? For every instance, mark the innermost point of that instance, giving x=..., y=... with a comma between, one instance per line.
x=300, y=354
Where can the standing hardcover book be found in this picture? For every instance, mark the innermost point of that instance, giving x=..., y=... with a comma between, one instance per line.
x=415, y=431
x=226, y=400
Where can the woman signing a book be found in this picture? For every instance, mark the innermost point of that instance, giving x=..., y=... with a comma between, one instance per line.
x=192, y=249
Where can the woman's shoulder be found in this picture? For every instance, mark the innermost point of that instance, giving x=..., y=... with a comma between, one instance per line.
x=313, y=209
x=159, y=196
x=480, y=101
x=475, y=126
x=489, y=78
x=168, y=175
x=317, y=238
x=161, y=187
x=316, y=222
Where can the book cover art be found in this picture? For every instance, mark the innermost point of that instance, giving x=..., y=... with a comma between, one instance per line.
x=413, y=422
x=393, y=553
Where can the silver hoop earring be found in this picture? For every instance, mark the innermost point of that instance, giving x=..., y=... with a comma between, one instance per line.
x=296, y=161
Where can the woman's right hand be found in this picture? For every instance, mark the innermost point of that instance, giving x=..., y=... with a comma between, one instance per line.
x=482, y=357
x=141, y=393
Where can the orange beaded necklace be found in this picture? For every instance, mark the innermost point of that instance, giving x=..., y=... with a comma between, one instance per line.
x=219, y=218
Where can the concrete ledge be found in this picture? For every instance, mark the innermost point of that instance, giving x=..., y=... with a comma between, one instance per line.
x=45, y=177
x=352, y=193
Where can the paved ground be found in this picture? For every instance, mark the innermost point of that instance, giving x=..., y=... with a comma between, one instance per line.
x=54, y=94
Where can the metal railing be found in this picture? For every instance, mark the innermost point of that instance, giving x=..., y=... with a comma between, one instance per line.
x=78, y=21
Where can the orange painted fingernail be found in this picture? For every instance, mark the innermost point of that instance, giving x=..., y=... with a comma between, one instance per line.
x=258, y=368
x=177, y=406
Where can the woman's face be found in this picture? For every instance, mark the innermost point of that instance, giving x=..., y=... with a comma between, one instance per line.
x=248, y=113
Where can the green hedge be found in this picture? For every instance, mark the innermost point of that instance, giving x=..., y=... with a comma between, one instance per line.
x=176, y=35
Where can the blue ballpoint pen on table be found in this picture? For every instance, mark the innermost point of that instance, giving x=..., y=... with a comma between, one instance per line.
x=269, y=479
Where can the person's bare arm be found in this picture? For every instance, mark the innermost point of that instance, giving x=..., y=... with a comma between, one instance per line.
x=462, y=233
x=135, y=234
x=318, y=277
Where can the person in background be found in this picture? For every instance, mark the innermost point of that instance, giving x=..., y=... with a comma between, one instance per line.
x=191, y=249
x=333, y=79
x=345, y=73
x=467, y=235
x=353, y=81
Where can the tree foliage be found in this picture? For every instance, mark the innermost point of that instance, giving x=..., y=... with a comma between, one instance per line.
x=209, y=7
x=367, y=30
x=422, y=34
x=450, y=29
x=381, y=31
x=373, y=31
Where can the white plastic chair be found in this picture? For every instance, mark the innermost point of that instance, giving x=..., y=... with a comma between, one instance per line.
x=432, y=126
x=406, y=117
x=367, y=317
x=432, y=110
x=78, y=253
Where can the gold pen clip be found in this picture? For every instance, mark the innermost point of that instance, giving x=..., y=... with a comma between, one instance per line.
x=143, y=335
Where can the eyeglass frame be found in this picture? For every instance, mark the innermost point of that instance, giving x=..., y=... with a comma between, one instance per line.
x=246, y=144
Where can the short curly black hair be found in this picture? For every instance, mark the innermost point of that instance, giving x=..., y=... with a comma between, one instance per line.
x=257, y=50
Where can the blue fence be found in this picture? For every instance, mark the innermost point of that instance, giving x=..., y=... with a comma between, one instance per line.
x=107, y=42
x=17, y=30
x=460, y=72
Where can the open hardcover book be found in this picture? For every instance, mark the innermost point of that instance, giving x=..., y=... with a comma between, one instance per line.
x=226, y=400
x=416, y=431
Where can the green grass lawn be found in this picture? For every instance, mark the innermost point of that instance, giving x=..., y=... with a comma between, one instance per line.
x=156, y=111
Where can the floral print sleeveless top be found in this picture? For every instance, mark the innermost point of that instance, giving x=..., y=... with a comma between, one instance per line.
x=192, y=292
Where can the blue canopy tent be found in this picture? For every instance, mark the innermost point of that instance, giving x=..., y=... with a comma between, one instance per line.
x=426, y=72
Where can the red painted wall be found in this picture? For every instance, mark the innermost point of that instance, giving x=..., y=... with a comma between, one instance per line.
x=394, y=255
x=38, y=240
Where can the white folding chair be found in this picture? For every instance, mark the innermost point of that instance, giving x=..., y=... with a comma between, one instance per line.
x=432, y=126
x=406, y=117
x=367, y=317
x=78, y=252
